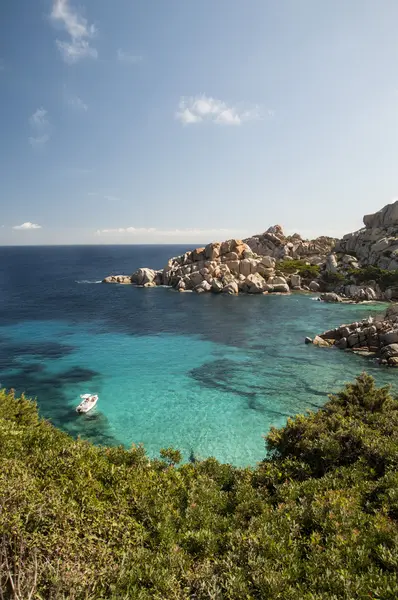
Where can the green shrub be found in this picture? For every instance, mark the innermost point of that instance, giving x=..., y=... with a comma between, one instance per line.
x=334, y=278
x=316, y=520
x=384, y=278
x=288, y=267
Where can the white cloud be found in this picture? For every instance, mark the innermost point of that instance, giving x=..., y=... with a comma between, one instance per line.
x=79, y=30
x=131, y=59
x=196, y=109
x=135, y=230
x=73, y=51
x=27, y=225
x=40, y=125
x=39, y=118
x=77, y=103
x=165, y=232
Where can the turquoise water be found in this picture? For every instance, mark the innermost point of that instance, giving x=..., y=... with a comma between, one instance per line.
x=206, y=374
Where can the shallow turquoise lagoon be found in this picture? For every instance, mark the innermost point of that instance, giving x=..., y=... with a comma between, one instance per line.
x=209, y=375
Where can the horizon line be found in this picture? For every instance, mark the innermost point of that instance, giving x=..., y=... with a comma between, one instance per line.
x=92, y=244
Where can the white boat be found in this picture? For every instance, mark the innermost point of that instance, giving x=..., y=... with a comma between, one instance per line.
x=88, y=402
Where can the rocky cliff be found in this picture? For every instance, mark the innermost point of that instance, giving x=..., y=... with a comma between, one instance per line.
x=362, y=266
x=274, y=243
x=252, y=266
x=377, y=243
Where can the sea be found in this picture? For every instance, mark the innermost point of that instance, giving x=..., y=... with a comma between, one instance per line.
x=207, y=374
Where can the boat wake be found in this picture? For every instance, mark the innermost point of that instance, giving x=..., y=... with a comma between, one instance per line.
x=87, y=281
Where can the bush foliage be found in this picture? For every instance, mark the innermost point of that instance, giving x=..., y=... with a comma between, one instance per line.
x=384, y=278
x=287, y=267
x=365, y=275
x=316, y=520
x=334, y=278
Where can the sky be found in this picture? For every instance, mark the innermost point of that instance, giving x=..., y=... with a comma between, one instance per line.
x=154, y=121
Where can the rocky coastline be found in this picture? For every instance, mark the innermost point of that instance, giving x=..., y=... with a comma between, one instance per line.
x=375, y=337
x=360, y=267
x=266, y=263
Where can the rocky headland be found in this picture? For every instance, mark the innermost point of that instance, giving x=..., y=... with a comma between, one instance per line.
x=362, y=266
x=268, y=262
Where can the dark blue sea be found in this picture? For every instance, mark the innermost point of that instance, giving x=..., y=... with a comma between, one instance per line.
x=208, y=374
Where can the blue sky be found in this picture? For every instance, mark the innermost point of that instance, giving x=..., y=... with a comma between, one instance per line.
x=153, y=121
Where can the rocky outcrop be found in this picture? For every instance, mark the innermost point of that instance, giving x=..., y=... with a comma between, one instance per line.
x=314, y=286
x=357, y=266
x=273, y=242
x=377, y=337
x=340, y=263
x=146, y=277
x=331, y=297
x=117, y=279
x=228, y=267
x=377, y=243
x=234, y=266
x=142, y=277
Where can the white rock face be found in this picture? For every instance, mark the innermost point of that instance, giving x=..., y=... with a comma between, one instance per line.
x=331, y=297
x=230, y=266
x=117, y=279
x=268, y=262
x=314, y=286
x=255, y=284
x=331, y=263
x=384, y=218
x=277, y=281
x=273, y=243
x=245, y=267
x=143, y=276
x=360, y=292
x=281, y=288
x=377, y=243
x=231, y=288
x=206, y=287
x=295, y=281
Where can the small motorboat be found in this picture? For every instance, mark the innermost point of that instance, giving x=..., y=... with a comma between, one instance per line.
x=88, y=402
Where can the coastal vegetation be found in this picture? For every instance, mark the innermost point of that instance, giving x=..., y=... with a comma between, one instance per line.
x=301, y=267
x=364, y=275
x=362, y=266
x=384, y=278
x=317, y=519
